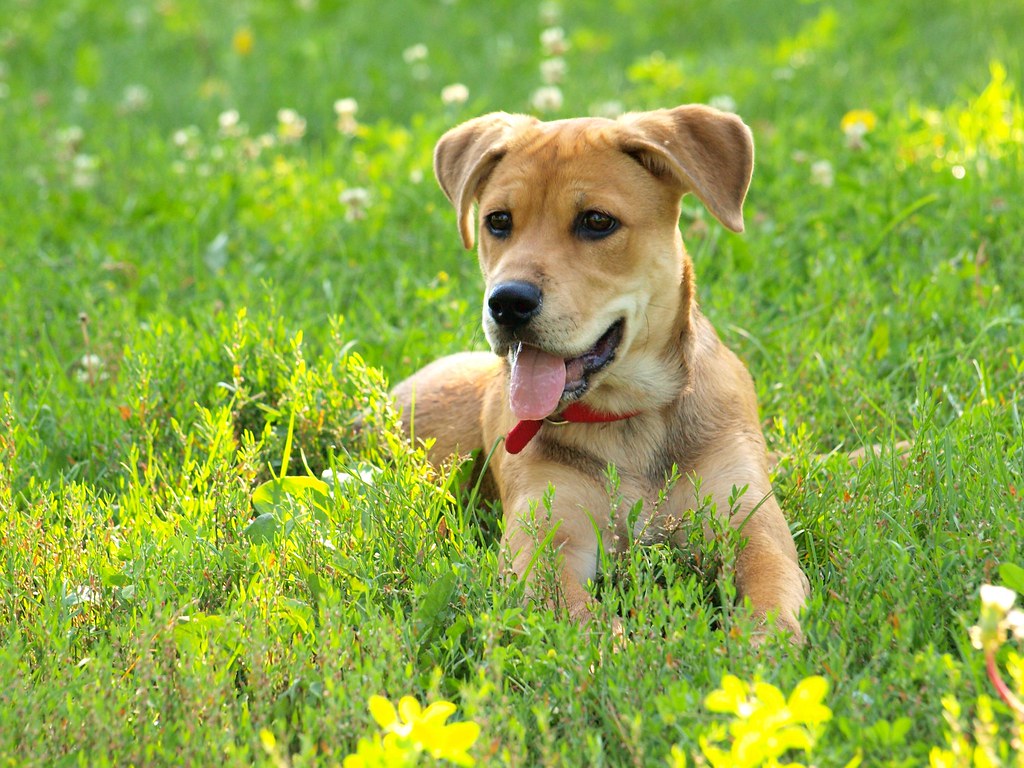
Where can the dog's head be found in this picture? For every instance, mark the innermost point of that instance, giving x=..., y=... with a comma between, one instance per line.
x=587, y=281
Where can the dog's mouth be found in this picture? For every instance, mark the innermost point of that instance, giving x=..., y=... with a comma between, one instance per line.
x=540, y=381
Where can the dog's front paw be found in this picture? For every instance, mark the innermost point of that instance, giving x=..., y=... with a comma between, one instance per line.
x=782, y=623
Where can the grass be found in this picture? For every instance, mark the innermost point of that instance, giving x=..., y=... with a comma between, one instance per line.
x=189, y=309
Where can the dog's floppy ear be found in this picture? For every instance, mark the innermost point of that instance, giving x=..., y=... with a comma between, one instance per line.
x=466, y=155
x=708, y=152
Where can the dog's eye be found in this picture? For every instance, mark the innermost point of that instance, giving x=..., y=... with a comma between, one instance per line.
x=595, y=224
x=499, y=223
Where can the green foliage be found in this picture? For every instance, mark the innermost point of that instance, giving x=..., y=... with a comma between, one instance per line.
x=210, y=258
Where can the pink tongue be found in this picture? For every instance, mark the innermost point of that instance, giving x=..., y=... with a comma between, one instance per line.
x=538, y=380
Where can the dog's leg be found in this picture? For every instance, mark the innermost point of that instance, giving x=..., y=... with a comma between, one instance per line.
x=577, y=504
x=767, y=570
x=858, y=456
x=443, y=401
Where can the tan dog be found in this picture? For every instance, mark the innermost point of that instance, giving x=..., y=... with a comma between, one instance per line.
x=591, y=313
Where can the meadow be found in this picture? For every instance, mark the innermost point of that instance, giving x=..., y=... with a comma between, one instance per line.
x=220, y=239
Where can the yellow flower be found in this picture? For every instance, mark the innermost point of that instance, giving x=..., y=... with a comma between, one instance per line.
x=858, y=121
x=379, y=753
x=805, y=702
x=242, y=41
x=766, y=725
x=425, y=729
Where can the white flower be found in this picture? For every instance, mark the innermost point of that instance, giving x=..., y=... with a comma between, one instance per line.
x=135, y=99
x=550, y=13
x=90, y=369
x=346, y=107
x=355, y=200
x=228, y=119
x=553, y=41
x=228, y=122
x=181, y=137
x=346, y=110
x=291, y=126
x=822, y=173
x=415, y=53
x=723, y=102
x=137, y=17
x=553, y=70
x=361, y=473
x=1000, y=598
x=997, y=618
x=456, y=93
x=354, y=196
x=547, y=98
x=83, y=171
x=70, y=138
x=610, y=109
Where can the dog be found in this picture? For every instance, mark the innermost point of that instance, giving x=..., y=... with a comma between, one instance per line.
x=600, y=354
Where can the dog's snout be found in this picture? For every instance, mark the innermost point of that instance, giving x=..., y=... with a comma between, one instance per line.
x=513, y=304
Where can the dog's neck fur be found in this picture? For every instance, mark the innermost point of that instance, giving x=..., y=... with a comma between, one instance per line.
x=645, y=388
x=663, y=433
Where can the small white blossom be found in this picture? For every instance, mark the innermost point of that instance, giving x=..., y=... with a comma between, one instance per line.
x=723, y=102
x=999, y=598
x=822, y=173
x=415, y=53
x=136, y=98
x=997, y=619
x=553, y=42
x=550, y=13
x=90, y=369
x=137, y=17
x=83, y=171
x=346, y=107
x=456, y=93
x=609, y=109
x=553, y=70
x=69, y=139
x=185, y=137
x=547, y=99
x=355, y=200
x=346, y=110
x=228, y=119
x=291, y=126
x=362, y=474
x=230, y=125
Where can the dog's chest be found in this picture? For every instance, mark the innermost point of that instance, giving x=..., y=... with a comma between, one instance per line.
x=649, y=514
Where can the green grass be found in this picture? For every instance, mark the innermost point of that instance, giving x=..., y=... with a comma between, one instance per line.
x=180, y=307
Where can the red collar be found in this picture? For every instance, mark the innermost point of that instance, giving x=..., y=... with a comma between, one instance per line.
x=578, y=413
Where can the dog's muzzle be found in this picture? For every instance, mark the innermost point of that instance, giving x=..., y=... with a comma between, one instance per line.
x=514, y=303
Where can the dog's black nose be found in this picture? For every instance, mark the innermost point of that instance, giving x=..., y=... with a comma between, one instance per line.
x=514, y=303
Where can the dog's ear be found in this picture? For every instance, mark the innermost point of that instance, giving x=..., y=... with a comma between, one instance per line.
x=708, y=152
x=466, y=155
